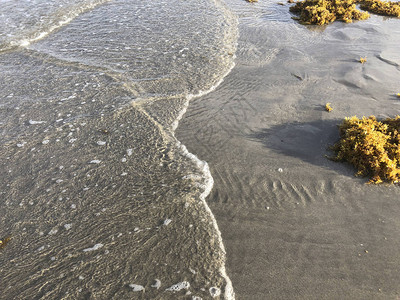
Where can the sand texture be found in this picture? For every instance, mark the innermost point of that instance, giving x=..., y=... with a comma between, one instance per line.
x=295, y=224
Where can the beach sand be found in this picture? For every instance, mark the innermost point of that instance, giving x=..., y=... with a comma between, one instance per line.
x=295, y=224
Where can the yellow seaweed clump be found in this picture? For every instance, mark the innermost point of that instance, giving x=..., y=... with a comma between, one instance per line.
x=371, y=146
x=386, y=8
x=328, y=107
x=320, y=12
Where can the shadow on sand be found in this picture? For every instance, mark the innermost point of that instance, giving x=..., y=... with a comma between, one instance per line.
x=309, y=142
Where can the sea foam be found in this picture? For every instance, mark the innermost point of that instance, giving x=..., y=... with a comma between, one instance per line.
x=208, y=181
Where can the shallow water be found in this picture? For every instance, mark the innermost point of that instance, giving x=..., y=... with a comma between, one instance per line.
x=98, y=196
x=102, y=201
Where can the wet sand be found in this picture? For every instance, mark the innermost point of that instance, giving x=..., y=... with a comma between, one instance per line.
x=295, y=224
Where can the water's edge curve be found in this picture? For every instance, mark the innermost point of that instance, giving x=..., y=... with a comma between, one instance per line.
x=202, y=165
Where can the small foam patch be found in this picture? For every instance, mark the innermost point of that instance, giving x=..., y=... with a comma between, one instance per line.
x=32, y=122
x=156, y=284
x=95, y=161
x=95, y=247
x=214, y=291
x=179, y=286
x=136, y=287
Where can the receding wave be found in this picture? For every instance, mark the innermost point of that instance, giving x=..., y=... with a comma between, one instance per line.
x=37, y=20
x=90, y=166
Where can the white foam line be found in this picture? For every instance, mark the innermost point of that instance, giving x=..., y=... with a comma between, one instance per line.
x=209, y=182
x=27, y=42
x=207, y=186
x=199, y=94
x=229, y=293
x=61, y=23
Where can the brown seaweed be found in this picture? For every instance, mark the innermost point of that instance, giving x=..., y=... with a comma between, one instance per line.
x=4, y=242
x=391, y=9
x=371, y=146
x=328, y=107
x=320, y=12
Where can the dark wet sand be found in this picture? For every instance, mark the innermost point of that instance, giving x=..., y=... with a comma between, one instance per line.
x=295, y=224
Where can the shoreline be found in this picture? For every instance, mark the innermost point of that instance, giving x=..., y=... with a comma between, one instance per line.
x=296, y=225
x=128, y=153
x=202, y=165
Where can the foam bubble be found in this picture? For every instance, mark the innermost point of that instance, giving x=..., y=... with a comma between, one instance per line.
x=136, y=287
x=214, y=291
x=32, y=122
x=179, y=286
x=95, y=247
x=67, y=226
x=53, y=231
x=95, y=161
x=156, y=284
